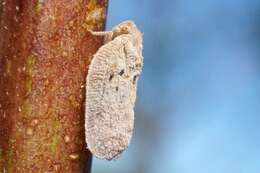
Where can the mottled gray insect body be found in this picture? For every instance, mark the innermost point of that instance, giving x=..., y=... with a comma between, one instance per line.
x=111, y=91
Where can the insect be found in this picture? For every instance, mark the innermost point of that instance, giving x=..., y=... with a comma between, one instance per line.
x=111, y=91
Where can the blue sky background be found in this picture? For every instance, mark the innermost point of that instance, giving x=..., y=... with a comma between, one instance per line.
x=199, y=95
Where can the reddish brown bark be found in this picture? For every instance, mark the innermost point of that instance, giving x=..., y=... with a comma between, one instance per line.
x=45, y=50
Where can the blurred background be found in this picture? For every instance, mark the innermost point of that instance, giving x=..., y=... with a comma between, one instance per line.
x=198, y=101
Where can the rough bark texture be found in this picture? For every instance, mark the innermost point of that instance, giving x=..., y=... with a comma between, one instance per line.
x=45, y=50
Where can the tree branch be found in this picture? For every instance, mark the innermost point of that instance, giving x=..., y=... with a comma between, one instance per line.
x=45, y=50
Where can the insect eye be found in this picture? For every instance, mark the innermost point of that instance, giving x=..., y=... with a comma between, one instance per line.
x=124, y=30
